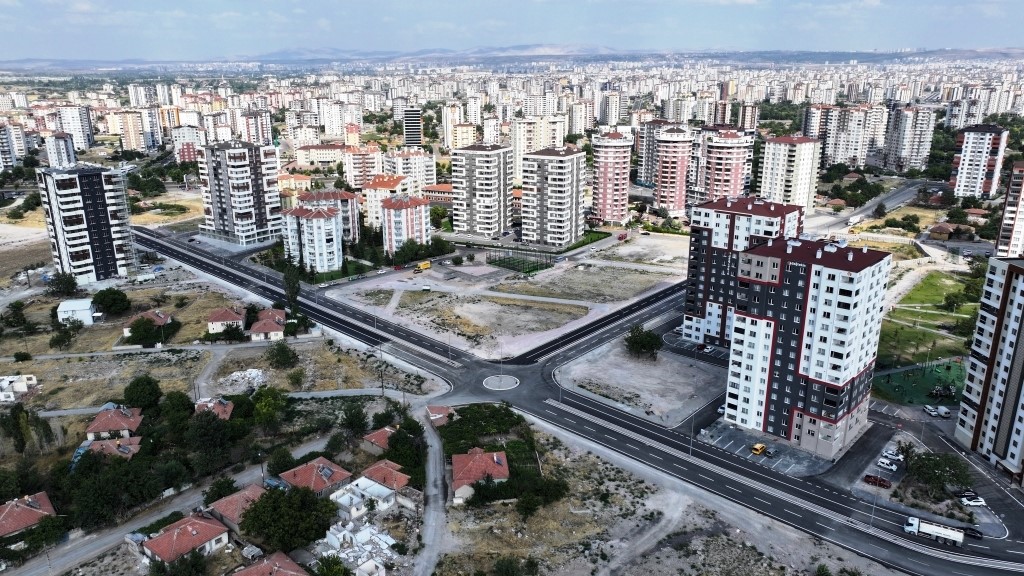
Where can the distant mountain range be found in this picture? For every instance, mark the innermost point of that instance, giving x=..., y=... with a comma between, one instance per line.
x=506, y=54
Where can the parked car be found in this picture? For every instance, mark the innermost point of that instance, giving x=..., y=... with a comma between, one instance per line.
x=930, y=410
x=381, y=271
x=398, y=267
x=972, y=501
x=877, y=481
x=645, y=233
x=447, y=262
x=622, y=236
x=705, y=348
x=886, y=464
x=324, y=285
x=968, y=493
x=771, y=452
x=972, y=532
x=892, y=455
x=721, y=409
x=758, y=449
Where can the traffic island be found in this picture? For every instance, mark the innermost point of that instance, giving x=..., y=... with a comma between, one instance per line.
x=501, y=382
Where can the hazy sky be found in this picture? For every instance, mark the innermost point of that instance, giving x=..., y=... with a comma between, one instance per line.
x=208, y=29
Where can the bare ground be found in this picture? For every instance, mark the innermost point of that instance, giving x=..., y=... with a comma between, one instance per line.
x=588, y=283
x=19, y=251
x=661, y=249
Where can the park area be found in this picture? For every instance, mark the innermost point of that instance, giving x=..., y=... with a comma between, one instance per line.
x=931, y=322
x=935, y=384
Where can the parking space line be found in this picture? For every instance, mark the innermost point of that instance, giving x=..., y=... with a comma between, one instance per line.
x=726, y=447
x=790, y=467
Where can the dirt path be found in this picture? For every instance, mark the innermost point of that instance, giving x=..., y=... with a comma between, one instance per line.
x=674, y=505
x=206, y=376
x=396, y=297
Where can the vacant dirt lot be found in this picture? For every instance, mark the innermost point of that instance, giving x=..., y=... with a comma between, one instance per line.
x=663, y=249
x=671, y=387
x=20, y=250
x=588, y=283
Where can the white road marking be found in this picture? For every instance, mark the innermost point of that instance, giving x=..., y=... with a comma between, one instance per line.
x=762, y=500
x=793, y=513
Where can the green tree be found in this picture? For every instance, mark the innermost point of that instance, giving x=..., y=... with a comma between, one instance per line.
x=143, y=392
x=437, y=215
x=61, y=339
x=206, y=432
x=280, y=460
x=62, y=284
x=15, y=314
x=281, y=356
x=221, y=486
x=268, y=403
x=937, y=471
x=194, y=564
x=457, y=260
x=330, y=566
x=232, y=333
x=111, y=301
x=292, y=287
x=286, y=520
x=471, y=257
x=353, y=417
x=295, y=377
x=640, y=342
x=880, y=210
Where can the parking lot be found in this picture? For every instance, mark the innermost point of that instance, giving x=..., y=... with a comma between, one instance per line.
x=788, y=460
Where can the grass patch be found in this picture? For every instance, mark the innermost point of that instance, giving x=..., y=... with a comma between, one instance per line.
x=901, y=345
x=899, y=252
x=913, y=386
x=353, y=268
x=589, y=237
x=932, y=289
x=446, y=225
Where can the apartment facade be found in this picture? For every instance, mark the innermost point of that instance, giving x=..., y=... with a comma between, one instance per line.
x=413, y=163
x=412, y=126
x=673, y=150
x=87, y=221
x=8, y=156
x=553, y=196
x=314, y=237
x=1010, y=243
x=990, y=421
x=482, y=189
x=789, y=171
x=361, y=163
x=978, y=163
x=848, y=135
x=187, y=140
x=347, y=204
x=908, y=138
x=612, y=153
x=724, y=163
x=75, y=120
x=647, y=147
x=60, y=150
x=376, y=190
x=241, y=200
x=719, y=232
x=404, y=218
x=803, y=343
x=532, y=134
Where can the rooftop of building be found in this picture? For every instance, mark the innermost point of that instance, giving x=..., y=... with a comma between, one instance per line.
x=384, y=182
x=328, y=194
x=837, y=256
x=750, y=206
x=314, y=213
x=403, y=202
x=483, y=148
x=793, y=140
x=561, y=152
x=984, y=128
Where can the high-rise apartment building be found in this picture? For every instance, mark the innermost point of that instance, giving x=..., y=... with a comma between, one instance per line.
x=463, y=135
x=187, y=140
x=377, y=189
x=140, y=95
x=647, y=147
x=241, y=201
x=803, y=341
x=362, y=163
x=908, y=138
x=87, y=220
x=75, y=121
x=60, y=150
x=789, y=171
x=1010, y=243
x=129, y=124
x=412, y=126
x=612, y=154
x=723, y=112
x=581, y=116
x=964, y=113
x=256, y=127
x=553, y=196
x=8, y=157
x=532, y=134
x=750, y=114
x=991, y=416
x=673, y=150
x=978, y=163
x=346, y=202
x=848, y=135
x=415, y=164
x=404, y=218
x=719, y=232
x=724, y=163
x=482, y=189
x=313, y=237
x=451, y=114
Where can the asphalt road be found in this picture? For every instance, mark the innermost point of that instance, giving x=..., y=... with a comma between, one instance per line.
x=806, y=504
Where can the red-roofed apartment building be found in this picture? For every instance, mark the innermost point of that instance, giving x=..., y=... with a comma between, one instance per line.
x=277, y=564
x=319, y=475
x=375, y=190
x=404, y=218
x=114, y=422
x=476, y=466
x=23, y=513
x=230, y=508
x=206, y=535
x=376, y=442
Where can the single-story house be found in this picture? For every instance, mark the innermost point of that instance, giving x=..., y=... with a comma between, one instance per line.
x=387, y=473
x=196, y=532
x=320, y=475
x=229, y=509
x=219, y=406
x=113, y=422
x=852, y=177
x=266, y=330
x=23, y=513
x=944, y=230
x=12, y=386
x=376, y=442
x=475, y=466
x=221, y=318
x=977, y=215
x=159, y=319
x=277, y=564
x=121, y=447
x=836, y=202
x=79, y=309
x=439, y=415
x=351, y=505
x=272, y=314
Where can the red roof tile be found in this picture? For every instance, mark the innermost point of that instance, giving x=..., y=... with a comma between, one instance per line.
x=184, y=536
x=847, y=259
x=271, y=314
x=116, y=420
x=387, y=473
x=318, y=213
x=324, y=195
x=159, y=318
x=380, y=437
x=384, y=182
x=266, y=327
x=403, y=202
x=316, y=475
x=22, y=513
x=277, y=564
x=232, y=506
x=122, y=447
x=225, y=315
x=793, y=140
x=751, y=206
x=448, y=187
x=219, y=406
x=476, y=466
x=439, y=415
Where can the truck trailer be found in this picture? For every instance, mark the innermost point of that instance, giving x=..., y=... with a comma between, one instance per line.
x=938, y=532
x=854, y=220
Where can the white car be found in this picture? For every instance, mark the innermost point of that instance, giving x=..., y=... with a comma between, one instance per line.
x=721, y=409
x=892, y=455
x=972, y=501
x=930, y=410
x=381, y=271
x=887, y=465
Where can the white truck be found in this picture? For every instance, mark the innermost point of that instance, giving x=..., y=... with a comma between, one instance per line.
x=854, y=220
x=938, y=532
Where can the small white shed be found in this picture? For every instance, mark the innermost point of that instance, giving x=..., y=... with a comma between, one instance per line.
x=81, y=309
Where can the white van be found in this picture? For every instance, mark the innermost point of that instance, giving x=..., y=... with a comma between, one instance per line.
x=944, y=412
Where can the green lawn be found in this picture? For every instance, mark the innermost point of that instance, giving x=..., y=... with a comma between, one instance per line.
x=446, y=225
x=914, y=386
x=933, y=289
x=901, y=345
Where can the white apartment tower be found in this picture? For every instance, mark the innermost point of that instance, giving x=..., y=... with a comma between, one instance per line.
x=723, y=163
x=848, y=135
x=532, y=134
x=75, y=121
x=553, y=196
x=789, y=171
x=313, y=237
x=8, y=157
x=1010, y=243
x=991, y=417
x=673, y=150
x=647, y=147
x=241, y=202
x=413, y=163
x=451, y=114
x=978, y=163
x=908, y=138
x=404, y=218
x=60, y=150
x=256, y=127
x=612, y=153
x=87, y=220
x=482, y=189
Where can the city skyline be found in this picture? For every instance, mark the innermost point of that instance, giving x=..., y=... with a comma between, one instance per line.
x=191, y=30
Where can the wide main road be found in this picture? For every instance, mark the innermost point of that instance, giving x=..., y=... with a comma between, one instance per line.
x=813, y=508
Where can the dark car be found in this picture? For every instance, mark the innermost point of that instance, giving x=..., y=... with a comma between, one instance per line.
x=877, y=481
x=968, y=493
x=398, y=267
x=973, y=533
